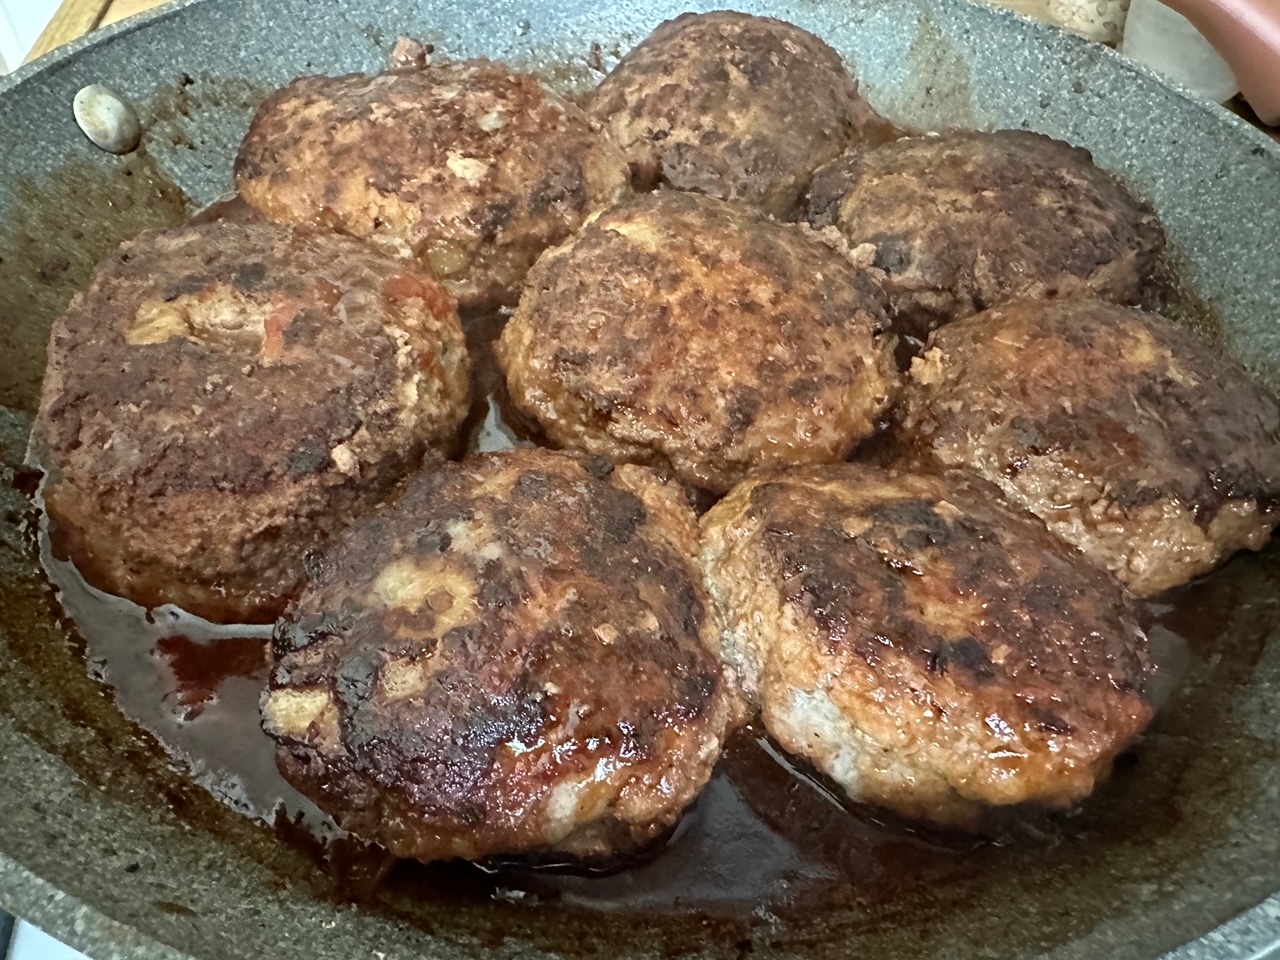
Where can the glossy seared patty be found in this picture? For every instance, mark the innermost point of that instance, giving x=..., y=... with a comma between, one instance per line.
x=1121, y=430
x=702, y=337
x=965, y=221
x=222, y=397
x=468, y=166
x=930, y=649
x=734, y=106
x=513, y=657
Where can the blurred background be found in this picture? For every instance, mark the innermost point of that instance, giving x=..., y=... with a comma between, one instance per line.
x=21, y=23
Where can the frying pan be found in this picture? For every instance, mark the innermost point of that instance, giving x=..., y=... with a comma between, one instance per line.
x=105, y=845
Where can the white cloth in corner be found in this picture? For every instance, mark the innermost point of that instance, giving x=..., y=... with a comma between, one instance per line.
x=32, y=943
x=21, y=23
x=1166, y=42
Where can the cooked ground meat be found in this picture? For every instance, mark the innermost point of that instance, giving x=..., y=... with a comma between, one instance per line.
x=470, y=167
x=1121, y=430
x=222, y=397
x=701, y=337
x=932, y=650
x=734, y=106
x=965, y=221
x=516, y=656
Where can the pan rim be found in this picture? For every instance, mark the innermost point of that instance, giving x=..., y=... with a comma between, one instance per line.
x=1220, y=114
x=28, y=895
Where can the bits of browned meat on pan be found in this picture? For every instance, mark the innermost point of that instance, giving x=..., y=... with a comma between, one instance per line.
x=964, y=221
x=1121, y=430
x=733, y=106
x=932, y=650
x=702, y=337
x=222, y=397
x=516, y=656
x=468, y=166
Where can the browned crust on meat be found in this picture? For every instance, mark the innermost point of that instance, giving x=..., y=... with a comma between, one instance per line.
x=515, y=656
x=1121, y=430
x=469, y=166
x=734, y=106
x=223, y=396
x=930, y=648
x=696, y=335
x=965, y=221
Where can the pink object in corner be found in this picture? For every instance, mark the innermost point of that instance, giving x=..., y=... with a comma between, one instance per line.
x=1247, y=34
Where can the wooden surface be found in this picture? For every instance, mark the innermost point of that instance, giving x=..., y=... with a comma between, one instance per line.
x=74, y=18
x=119, y=9
x=77, y=17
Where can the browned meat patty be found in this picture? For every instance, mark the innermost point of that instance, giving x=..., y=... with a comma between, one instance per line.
x=701, y=337
x=965, y=221
x=932, y=650
x=222, y=397
x=469, y=167
x=516, y=656
x=734, y=106
x=1121, y=430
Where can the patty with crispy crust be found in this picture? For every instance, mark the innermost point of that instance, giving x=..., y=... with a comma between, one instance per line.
x=222, y=397
x=734, y=106
x=930, y=649
x=965, y=221
x=701, y=337
x=1121, y=430
x=469, y=166
x=514, y=657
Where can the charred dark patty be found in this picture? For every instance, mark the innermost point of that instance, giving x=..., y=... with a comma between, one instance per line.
x=734, y=106
x=222, y=397
x=514, y=656
x=965, y=221
x=930, y=649
x=1121, y=430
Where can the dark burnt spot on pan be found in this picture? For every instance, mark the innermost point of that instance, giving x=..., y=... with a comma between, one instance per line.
x=228, y=98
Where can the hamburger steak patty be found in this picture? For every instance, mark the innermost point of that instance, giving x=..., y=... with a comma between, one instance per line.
x=515, y=656
x=1121, y=430
x=965, y=221
x=930, y=649
x=700, y=336
x=470, y=167
x=222, y=397
x=734, y=106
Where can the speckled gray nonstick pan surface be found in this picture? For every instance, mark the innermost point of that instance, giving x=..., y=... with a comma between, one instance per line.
x=105, y=845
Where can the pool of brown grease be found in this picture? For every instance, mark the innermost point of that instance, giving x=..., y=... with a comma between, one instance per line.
x=768, y=842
